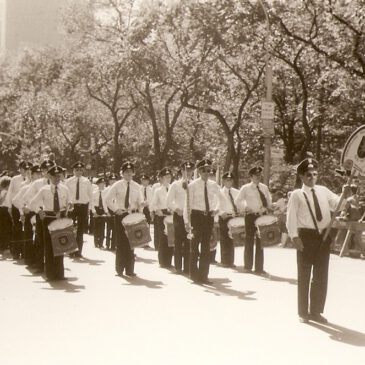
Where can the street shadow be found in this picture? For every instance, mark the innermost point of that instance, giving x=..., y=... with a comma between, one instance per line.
x=138, y=281
x=220, y=287
x=341, y=334
x=64, y=285
x=280, y=279
x=85, y=260
x=145, y=261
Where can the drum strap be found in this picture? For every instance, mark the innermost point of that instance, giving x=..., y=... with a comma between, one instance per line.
x=311, y=212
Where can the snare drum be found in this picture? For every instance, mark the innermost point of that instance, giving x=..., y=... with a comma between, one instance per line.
x=136, y=229
x=268, y=230
x=236, y=230
x=169, y=230
x=63, y=236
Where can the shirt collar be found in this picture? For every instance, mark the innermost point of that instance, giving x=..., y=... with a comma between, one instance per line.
x=308, y=189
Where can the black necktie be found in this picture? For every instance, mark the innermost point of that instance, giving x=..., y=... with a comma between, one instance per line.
x=232, y=201
x=167, y=189
x=207, y=209
x=317, y=208
x=263, y=198
x=126, y=200
x=100, y=201
x=78, y=189
x=145, y=193
x=56, y=202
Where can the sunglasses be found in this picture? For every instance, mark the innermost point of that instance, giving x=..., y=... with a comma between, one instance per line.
x=205, y=170
x=311, y=174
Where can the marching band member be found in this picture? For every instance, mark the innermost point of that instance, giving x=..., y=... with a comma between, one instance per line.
x=226, y=210
x=308, y=216
x=5, y=219
x=156, y=233
x=81, y=191
x=159, y=203
x=101, y=210
x=32, y=191
x=52, y=202
x=122, y=198
x=256, y=199
x=25, y=216
x=176, y=199
x=110, y=232
x=146, y=189
x=213, y=252
x=202, y=193
x=15, y=186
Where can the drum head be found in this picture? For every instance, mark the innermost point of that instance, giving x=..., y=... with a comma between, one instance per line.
x=236, y=222
x=169, y=219
x=266, y=220
x=133, y=218
x=60, y=223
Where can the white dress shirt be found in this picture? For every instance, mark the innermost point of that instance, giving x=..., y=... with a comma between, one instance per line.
x=298, y=214
x=149, y=194
x=18, y=200
x=224, y=201
x=249, y=199
x=159, y=200
x=96, y=196
x=44, y=199
x=14, y=187
x=176, y=197
x=197, y=196
x=33, y=189
x=85, y=190
x=115, y=196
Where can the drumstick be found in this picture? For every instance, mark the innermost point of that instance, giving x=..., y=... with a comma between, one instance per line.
x=342, y=197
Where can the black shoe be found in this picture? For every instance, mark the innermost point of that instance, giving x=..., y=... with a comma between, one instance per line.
x=206, y=282
x=317, y=317
x=248, y=271
x=131, y=274
x=37, y=271
x=260, y=272
x=303, y=319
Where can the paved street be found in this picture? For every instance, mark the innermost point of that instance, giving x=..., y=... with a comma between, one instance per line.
x=161, y=318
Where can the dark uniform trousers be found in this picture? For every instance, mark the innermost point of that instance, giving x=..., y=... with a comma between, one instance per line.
x=53, y=264
x=227, y=247
x=80, y=217
x=17, y=240
x=147, y=214
x=110, y=231
x=99, y=227
x=5, y=228
x=313, y=259
x=164, y=251
x=156, y=232
x=182, y=245
x=28, y=240
x=124, y=256
x=39, y=244
x=202, y=230
x=251, y=240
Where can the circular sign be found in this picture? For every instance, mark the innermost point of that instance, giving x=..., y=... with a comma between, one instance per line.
x=353, y=154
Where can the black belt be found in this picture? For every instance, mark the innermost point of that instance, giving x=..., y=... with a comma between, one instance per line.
x=202, y=212
x=254, y=214
x=80, y=204
x=54, y=214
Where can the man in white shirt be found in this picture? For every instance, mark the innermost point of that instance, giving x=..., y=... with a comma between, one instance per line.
x=176, y=200
x=227, y=209
x=16, y=245
x=52, y=202
x=308, y=216
x=110, y=231
x=123, y=198
x=146, y=189
x=101, y=211
x=202, y=194
x=159, y=203
x=256, y=200
x=156, y=233
x=82, y=194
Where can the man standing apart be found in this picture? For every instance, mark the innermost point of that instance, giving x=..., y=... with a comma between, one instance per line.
x=256, y=200
x=82, y=194
x=124, y=197
x=202, y=194
x=308, y=216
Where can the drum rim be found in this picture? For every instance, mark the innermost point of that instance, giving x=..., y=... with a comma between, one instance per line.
x=51, y=224
x=133, y=215
x=275, y=219
x=241, y=219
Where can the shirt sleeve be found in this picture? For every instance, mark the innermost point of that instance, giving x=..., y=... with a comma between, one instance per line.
x=109, y=198
x=240, y=199
x=291, y=218
x=37, y=202
x=171, y=196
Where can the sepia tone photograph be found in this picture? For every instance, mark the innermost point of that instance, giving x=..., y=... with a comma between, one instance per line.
x=182, y=182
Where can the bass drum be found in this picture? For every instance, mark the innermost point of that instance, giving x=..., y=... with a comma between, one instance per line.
x=236, y=230
x=136, y=229
x=268, y=230
x=63, y=236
